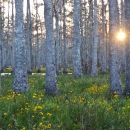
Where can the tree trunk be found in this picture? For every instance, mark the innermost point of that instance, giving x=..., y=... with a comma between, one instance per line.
x=90, y=37
x=77, y=69
x=29, y=34
x=123, y=48
x=20, y=78
x=37, y=39
x=104, y=57
x=65, y=65
x=13, y=37
x=51, y=82
x=57, y=15
x=82, y=48
x=0, y=44
x=84, y=37
x=127, y=17
x=115, y=80
x=94, y=71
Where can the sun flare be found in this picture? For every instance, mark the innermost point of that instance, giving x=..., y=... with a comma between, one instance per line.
x=121, y=35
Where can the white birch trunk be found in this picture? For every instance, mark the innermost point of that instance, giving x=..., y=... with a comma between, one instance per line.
x=57, y=15
x=13, y=37
x=65, y=65
x=123, y=29
x=90, y=38
x=29, y=32
x=115, y=80
x=51, y=82
x=77, y=68
x=20, y=77
x=94, y=70
x=127, y=18
x=0, y=44
x=104, y=57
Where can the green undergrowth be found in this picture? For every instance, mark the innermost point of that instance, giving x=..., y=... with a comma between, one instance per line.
x=81, y=104
x=42, y=70
x=7, y=70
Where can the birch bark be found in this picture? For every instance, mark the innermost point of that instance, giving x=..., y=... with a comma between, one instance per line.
x=77, y=68
x=127, y=18
x=94, y=71
x=20, y=77
x=115, y=80
x=51, y=82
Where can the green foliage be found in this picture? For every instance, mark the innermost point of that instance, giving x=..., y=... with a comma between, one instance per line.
x=7, y=70
x=42, y=70
x=82, y=104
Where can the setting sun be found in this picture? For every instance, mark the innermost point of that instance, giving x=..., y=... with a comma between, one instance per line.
x=121, y=35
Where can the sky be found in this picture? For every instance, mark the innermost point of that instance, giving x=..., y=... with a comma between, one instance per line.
x=32, y=6
x=41, y=9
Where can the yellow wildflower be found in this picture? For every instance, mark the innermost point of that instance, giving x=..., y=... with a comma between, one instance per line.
x=41, y=113
x=39, y=107
x=23, y=128
x=57, y=107
x=34, y=96
x=116, y=96
x=49, y=114
x=58, y=126
x=109, y=108
x=5, y=113
x=40, y=124
x=49, y=125
x=40, y=99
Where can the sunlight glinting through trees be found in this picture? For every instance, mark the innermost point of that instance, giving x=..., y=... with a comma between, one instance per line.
x=64, y=64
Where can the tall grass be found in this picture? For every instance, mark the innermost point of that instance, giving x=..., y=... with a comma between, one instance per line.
x=82, y=104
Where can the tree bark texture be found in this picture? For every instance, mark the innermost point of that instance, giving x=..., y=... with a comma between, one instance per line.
x=65, y=65
x=94, y=70
x=104, y=57
x=77, y=69
x=51, y=82
x=115, y=80
x=20, y=78
x=57, y=16
x=127, y=18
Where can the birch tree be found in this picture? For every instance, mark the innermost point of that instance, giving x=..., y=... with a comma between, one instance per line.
x=115, y=80
x=123, y=29
x=3, y=38
x=51, y=82
x=29, y=35
x=127, y=17
x=90, y=38
x=0, y=44
x=77, y=69
x=13, y=37
x=37, y=39
x=20, y=77
x=104, y=57
x=57, y=16
x=65, y=64
x=95, y=44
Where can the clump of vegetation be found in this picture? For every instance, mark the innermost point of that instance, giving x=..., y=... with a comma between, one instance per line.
x=43, y=70
x=7, y=70
x=82, y=104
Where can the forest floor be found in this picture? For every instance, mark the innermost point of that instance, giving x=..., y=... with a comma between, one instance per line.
x=81, y=104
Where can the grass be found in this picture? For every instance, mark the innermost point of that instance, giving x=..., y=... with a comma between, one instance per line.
x=7, y=70
x=43, y=70
x=82, y=104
